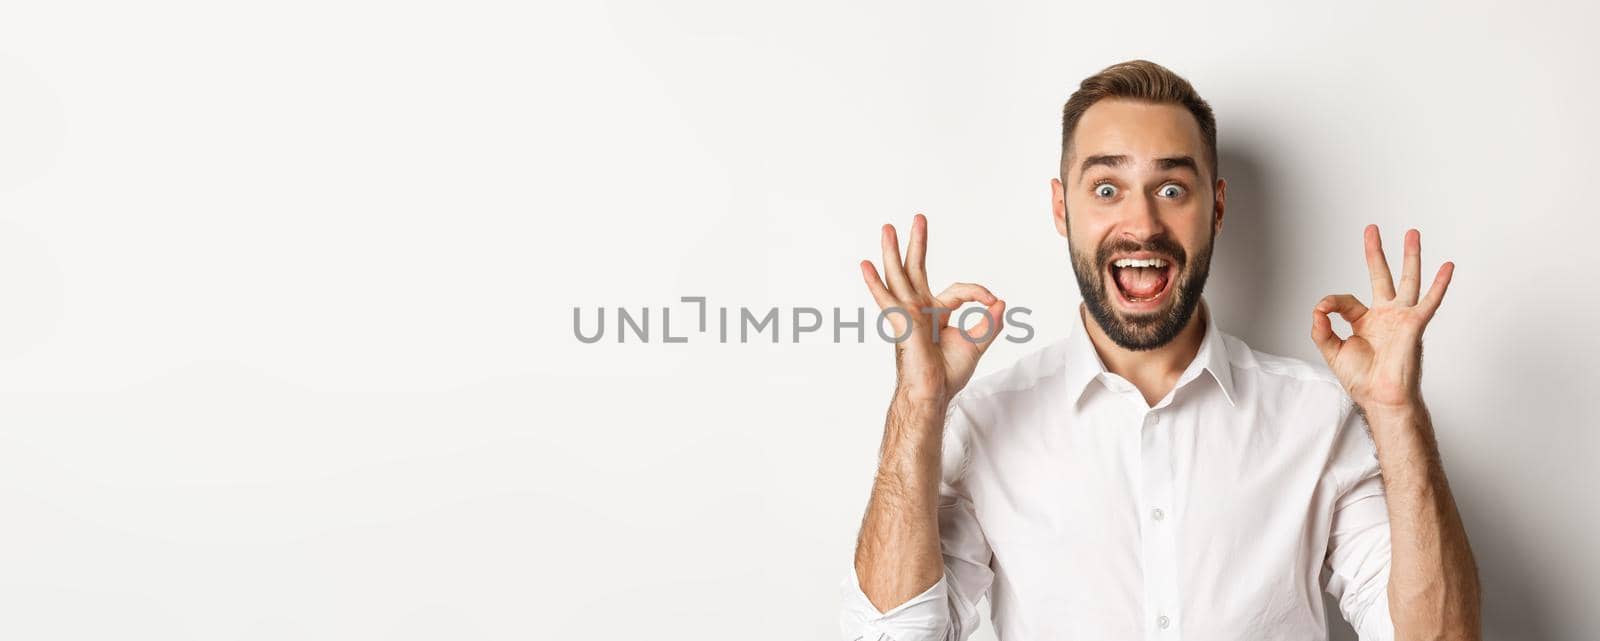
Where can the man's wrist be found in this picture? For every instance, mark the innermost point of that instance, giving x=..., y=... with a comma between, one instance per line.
x=914, y=399
x=1401, y=431
x=1406, y=408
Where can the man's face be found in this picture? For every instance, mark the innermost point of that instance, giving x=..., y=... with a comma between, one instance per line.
x=1138, y=187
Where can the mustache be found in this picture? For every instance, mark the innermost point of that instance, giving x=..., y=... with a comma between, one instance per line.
x=1158, y=245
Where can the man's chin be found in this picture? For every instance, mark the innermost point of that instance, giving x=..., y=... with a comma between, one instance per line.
x=1139, y=326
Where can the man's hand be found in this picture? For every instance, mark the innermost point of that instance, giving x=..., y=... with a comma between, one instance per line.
x=1380, y=365
x=937, y=359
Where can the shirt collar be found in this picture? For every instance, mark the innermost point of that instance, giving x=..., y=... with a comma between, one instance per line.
x=1084, y=367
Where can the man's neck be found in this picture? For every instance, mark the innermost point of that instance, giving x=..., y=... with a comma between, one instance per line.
x=1153, y=371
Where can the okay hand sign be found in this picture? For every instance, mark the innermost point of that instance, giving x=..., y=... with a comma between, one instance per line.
x=937, y=357
x=1380, y=364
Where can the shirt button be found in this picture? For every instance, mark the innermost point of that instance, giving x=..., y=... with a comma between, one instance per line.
x=1163, y=621
x=1157, y=514
x=1155, y=419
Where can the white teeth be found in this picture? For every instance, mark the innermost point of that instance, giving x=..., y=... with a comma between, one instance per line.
x=1136, y=262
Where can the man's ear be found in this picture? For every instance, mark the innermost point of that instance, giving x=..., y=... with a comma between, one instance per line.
x=1221, y=205
x=1058, y=201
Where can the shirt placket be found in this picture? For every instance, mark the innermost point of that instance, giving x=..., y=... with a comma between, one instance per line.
x=1156, y=529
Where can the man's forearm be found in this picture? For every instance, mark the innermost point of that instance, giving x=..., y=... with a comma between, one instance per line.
x=897, y=554
x=1433, y=579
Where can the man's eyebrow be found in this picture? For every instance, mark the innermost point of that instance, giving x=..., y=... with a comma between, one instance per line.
x=1109, y=160
x=1118, y=160
x=1176, y=162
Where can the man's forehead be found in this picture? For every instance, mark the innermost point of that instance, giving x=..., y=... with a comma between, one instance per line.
x=1142, y=131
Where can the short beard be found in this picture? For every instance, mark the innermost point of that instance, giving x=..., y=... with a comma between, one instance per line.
x=1146, y=332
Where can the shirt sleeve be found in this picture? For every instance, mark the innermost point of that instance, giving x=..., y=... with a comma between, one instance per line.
x=948, y=610
x=1357, y=568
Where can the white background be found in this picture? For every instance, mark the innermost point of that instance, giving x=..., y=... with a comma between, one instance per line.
x=286, y=289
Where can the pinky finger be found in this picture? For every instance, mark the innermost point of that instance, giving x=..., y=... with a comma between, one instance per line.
x=880, y=293
x=1441, y=283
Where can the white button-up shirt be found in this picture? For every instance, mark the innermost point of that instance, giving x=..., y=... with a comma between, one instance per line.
x=1218, y=514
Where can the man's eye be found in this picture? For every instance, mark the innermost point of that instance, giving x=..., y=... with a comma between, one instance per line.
x=1171, y=191
x=1105, y=191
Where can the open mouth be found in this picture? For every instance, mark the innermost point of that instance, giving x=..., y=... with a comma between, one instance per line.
x=1142, y=282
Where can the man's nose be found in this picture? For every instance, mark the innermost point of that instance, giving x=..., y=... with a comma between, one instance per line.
x=1142, y=219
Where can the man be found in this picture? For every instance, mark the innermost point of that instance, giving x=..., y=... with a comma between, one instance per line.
x=1151, y=476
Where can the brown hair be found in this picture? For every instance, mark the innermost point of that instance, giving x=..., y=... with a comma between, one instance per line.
x=1138, y=80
